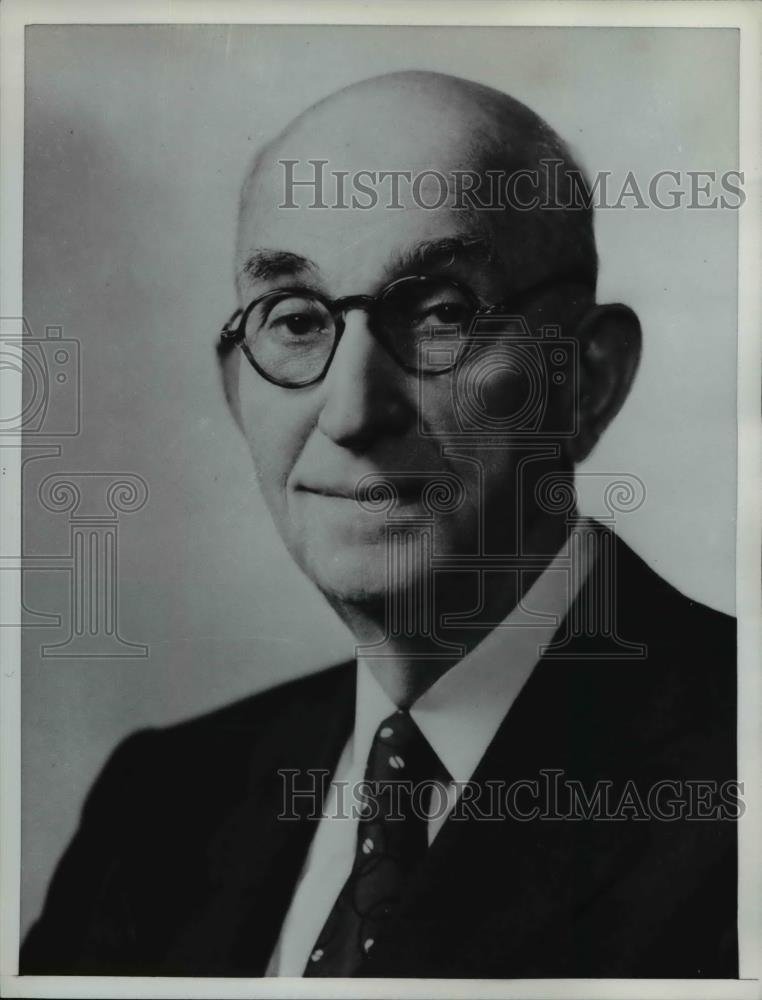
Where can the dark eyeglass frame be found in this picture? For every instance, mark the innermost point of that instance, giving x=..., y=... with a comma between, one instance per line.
x=233, y=332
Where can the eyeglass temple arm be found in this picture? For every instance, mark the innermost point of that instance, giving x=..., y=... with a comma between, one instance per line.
x=231, y=332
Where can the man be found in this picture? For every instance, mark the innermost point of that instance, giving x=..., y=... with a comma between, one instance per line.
x=417, y=381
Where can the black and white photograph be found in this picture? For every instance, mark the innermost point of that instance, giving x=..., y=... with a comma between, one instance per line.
x=381, y=464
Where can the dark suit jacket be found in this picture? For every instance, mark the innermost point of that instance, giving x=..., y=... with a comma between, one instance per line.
x=180, y=865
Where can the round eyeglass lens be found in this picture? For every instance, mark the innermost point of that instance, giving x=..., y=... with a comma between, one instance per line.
x=290, y=337
x=426, y=321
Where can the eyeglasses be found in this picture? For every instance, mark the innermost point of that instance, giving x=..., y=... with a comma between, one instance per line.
x=290, y=335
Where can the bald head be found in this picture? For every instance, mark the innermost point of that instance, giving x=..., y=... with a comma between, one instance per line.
x=415, y=123
x=431, y=114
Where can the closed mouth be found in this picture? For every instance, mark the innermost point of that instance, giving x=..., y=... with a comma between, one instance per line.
x=406, y=489
x=328, y=491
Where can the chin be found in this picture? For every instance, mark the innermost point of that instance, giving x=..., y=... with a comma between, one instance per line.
x=356, y=573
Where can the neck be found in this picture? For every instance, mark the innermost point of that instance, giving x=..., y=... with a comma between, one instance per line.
x=407, y=660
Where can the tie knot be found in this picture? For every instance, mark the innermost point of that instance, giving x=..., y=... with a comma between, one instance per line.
x=401, y=752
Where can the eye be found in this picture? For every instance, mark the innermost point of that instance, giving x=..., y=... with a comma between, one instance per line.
x=296, y=318
x=444, y=313
x=299, y=323
x=433, y=312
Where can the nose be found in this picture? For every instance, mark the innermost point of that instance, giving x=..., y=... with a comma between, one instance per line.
x=366, y=394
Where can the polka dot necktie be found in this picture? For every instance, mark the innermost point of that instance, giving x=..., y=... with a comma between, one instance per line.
x=403, y=773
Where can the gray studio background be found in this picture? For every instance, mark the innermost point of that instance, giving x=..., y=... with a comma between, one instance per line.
x=136, y=141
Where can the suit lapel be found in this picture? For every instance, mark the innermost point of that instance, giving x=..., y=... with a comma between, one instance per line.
x=257, y=855
x=495, y=897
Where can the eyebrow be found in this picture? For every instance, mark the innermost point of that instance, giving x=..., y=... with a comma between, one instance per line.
x=444, y=252
x=264, y=264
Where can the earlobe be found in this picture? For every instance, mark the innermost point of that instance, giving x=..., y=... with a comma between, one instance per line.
x=610, y=341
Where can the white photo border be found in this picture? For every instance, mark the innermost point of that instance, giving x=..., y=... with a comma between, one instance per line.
x=747, y=18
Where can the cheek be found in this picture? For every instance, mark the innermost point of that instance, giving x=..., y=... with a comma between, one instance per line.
x=500, y=478
x=275, y=428
x=436, y=402
x=493, y=393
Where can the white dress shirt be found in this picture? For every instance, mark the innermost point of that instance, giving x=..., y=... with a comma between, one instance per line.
x=459, y=715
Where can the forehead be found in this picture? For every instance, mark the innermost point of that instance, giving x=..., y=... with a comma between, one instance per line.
x=351, y=246
x=385, y=170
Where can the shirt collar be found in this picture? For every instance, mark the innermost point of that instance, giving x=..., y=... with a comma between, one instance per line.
x=460, y=713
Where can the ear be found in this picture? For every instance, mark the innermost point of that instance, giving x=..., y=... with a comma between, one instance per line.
x=610, y=343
